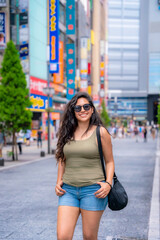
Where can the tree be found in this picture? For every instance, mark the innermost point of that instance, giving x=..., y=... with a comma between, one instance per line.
x=158, y=114
x=14, y=96
x=104, y=115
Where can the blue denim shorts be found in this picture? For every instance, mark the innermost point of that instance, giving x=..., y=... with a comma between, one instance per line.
x=82, y=197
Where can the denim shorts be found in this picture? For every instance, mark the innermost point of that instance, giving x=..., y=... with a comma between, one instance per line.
x=82, y=197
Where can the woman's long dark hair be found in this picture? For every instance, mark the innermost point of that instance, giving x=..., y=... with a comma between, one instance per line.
x=69, y=123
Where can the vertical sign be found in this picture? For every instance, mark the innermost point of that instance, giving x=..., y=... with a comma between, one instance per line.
x=58, y=77
x=2, y=31
x=70, y=17
x=70, y=49
x=53, y=35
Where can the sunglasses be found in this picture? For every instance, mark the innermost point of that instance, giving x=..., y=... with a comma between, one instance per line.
x=86, y=107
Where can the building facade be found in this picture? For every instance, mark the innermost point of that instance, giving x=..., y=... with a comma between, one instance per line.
x=128, y=64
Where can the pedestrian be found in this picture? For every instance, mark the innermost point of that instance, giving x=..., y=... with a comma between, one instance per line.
x=145, y=134
x=81, y=185
x=20, y=136
x=153, y=132
x=2, y=141
x=136, y=133
x=28, y=136
x=39, y=138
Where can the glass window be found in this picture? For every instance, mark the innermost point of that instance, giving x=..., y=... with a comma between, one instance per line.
x=115, y=12
x=130, y=13
x=130, y=67
x=12, y=19
x=62, y=16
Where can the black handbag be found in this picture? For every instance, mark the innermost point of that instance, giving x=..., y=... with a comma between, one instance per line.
x=117, y=197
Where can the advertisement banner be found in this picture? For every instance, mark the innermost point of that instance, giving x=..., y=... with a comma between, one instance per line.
x=58, y=77
x=24, y=50
x=70, y=17
x=37, y=85
x=23, y=34
x=25, y=65
x=23, y=5
x=54, y=35
x=70, y=49
x=39, y=103
x=70, y=93
x=2, y=31
x=3, y=3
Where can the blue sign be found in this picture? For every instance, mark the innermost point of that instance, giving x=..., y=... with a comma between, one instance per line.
x=23, y=50
x=70, y=49
x=38, y=102
x=70, y=17
x=54, y=36
x=2, y=31
x=70, y=93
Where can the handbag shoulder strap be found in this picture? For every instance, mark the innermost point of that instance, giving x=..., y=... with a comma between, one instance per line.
x=101, y=152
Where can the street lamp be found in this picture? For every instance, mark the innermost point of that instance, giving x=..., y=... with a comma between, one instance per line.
x=49, y=91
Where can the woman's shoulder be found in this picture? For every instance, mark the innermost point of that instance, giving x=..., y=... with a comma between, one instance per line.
x=104, y=133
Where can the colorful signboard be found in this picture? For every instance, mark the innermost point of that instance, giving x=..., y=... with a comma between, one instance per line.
x=70, y=17
x=24, y=50
x=54, y=35
x=70, y=49
x=37, y=85
x=70, y=93
x=58, y=77
x=2, y=31
x=39, y=103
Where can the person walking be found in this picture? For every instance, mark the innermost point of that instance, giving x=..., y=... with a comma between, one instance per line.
x=2, y=142
x=20, y=136
x=145, y=134
x=39, y=138
x=81, y=185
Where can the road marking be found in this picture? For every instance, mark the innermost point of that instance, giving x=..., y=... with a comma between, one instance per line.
x=25, y=163
x=154, y=220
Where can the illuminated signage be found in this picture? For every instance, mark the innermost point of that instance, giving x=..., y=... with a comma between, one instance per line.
x=54, y=35
x=70, y=17
x=70, y=49
x=38, y=102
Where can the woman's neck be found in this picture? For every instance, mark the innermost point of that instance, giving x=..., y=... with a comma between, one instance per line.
x=82, y=126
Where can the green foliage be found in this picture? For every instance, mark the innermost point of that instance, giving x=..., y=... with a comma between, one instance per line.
x=14, y=96
x=104, y=115
x=158, y=114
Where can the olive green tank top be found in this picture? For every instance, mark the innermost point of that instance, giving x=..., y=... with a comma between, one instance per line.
x=83, y=164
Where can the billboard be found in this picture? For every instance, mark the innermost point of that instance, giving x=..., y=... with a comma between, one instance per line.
x=37, y=85
x=23, y=34
x=70, y=17
x=39, y=103
x=70, y=49
x=23, y=5
x=2, y=31
x=54, y=35
x=58, y=77
x=24, y=50
x=25, y=65
x=3, y=3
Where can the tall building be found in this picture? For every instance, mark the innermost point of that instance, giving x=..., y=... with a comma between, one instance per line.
x=153, y=59
x=128, y=58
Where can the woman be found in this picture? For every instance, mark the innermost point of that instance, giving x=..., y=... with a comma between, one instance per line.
x=80, y=181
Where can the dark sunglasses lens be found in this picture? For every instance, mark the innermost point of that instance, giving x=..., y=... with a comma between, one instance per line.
x=86, y=107
x=77, y=108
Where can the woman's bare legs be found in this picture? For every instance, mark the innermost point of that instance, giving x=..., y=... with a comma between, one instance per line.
x=90, y=222
x=66, y=222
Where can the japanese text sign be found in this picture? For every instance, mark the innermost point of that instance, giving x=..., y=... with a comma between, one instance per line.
x=70, y=17
x=70, y=48
x=53, y=35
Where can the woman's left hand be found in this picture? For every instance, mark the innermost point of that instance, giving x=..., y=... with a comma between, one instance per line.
x=103, y=191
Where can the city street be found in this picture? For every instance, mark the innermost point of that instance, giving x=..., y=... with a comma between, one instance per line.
x=28, y=204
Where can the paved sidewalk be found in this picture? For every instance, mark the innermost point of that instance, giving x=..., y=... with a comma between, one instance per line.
x=29, y=153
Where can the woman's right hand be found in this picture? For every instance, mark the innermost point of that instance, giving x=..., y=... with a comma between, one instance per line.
x=58, y=189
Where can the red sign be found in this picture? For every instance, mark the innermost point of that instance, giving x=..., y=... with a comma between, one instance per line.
x=37, y=85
